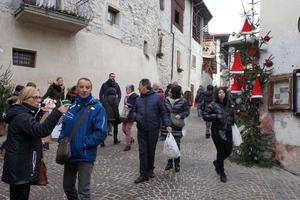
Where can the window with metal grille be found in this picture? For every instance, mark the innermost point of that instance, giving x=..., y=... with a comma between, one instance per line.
x=113, y=15
x=23, y=57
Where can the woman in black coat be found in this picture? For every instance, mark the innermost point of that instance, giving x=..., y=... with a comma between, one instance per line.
x=111, y=105
x=179, y=108
x=221, y=113
x=23, y=146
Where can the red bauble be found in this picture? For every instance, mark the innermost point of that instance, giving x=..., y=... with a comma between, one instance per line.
x=269, y=63
x=266, y=38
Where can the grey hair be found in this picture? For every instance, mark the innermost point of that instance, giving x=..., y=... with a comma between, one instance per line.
x=131, y=87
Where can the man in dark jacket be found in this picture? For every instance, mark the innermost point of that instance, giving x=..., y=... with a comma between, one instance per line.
x=148, y=112
x=110, y=83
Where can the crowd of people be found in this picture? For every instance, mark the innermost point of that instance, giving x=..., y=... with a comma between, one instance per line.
x=91, y=120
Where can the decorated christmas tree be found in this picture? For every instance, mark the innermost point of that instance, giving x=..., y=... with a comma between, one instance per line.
x=249, y=77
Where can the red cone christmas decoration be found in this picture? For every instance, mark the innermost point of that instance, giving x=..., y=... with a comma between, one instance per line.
x=247, y=28
x=257, y=91
x=237, y=67
x=235, y=87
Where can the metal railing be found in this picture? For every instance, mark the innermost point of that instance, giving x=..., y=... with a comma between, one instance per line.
x=75, y=8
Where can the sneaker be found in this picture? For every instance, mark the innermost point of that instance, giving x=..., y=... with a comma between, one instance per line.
x=127, y=148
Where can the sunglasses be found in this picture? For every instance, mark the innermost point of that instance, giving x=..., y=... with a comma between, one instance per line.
x=35, y=97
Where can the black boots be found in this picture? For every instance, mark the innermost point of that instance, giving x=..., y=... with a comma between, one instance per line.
x=169, y=165
x=177, y=167
x=223, y=177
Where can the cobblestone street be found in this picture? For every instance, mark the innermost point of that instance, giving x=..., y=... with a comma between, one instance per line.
x=115, y=171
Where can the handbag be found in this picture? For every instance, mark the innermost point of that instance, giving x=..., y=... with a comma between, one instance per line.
x=43, y=178
x=179, y=123
x=63, y=153
x=125, y=112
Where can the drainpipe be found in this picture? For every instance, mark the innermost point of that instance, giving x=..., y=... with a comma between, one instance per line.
x=173, y=41
x=190, y=45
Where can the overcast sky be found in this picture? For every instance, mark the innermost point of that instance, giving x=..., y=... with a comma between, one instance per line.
x=227, y=16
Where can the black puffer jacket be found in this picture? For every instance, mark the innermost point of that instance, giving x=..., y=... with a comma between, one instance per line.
x=24, y=147
x=55, y=92
x=181, y=108
x=221, y=115
x=111, y=105
x=149, y=111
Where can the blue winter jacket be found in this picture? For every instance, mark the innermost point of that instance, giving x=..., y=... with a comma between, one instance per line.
x=92, y=132
x=149, y=111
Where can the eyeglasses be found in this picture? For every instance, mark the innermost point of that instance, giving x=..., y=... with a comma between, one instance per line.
x=35, y=97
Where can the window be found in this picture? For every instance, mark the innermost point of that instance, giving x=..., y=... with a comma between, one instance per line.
x=161, y=4
x=177, y=17
x=113, y=15
x=296, y=92
x=177, y=13
x=24, y=57
x=194, y=61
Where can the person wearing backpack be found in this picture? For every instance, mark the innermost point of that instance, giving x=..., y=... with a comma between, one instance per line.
x=207, y=99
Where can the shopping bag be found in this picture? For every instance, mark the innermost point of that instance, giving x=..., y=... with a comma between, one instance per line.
x=57, y=129
x=171, y=149
x=236, y=136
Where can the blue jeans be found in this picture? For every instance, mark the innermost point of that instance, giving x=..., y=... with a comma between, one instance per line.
x=84, y=171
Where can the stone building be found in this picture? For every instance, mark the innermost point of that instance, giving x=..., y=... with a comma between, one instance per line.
x=283, y=97
x=44, y=39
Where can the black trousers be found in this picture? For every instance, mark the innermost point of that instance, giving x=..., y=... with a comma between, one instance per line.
x=19, y=192
x=147, y=144
x=115, y=125
x=224, y=148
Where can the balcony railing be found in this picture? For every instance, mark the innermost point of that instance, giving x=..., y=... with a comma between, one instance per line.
x=68, y=15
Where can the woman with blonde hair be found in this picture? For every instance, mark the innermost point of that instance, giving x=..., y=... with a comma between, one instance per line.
x=24, y=147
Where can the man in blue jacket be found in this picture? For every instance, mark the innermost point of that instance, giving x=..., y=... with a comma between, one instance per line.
x=92, y=132
x=148, y=113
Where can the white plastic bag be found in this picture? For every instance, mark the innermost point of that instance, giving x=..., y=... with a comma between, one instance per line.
x=171, y=149
x=57, y=129
x=236, y=136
